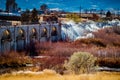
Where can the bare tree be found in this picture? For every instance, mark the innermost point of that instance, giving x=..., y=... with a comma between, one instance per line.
x=101, y=12
x=117, y=12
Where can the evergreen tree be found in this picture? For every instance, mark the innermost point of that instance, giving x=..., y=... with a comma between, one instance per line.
x=34, y=16
x=25, y=17
x=108, y=14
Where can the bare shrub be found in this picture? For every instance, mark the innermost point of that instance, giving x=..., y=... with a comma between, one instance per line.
x=116, y=29
x=13, y=60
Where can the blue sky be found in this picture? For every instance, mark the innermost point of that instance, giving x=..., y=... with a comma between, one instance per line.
x=67, y=5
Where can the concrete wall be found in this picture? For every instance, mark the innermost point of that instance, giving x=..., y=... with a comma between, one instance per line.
x=17, y=37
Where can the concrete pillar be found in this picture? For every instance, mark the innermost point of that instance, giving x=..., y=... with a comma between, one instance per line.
x=14, y=38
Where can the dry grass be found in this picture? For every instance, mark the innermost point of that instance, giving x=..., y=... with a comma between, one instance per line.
x=51, y=75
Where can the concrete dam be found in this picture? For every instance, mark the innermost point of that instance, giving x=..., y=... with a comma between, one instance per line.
x=17, y=37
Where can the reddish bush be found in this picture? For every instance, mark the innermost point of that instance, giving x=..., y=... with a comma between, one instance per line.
x=116, y=29
x=108, y=36
x=13, y=60
x=55, y=63
x=94, y=41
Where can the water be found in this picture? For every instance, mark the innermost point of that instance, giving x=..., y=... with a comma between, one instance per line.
x=74, y=31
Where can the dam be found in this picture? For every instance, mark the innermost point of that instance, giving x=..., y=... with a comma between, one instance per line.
x=13, y=38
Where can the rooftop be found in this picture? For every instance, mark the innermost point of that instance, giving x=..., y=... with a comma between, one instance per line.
x=9, y=14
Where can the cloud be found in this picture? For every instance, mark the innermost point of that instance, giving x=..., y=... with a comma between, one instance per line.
x=56, y=9
x=51, y=3
x=94, y=6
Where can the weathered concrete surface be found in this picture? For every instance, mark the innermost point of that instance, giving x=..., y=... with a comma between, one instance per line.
x=17, y=37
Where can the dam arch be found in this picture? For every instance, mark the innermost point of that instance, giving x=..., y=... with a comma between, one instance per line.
x=44, y=32
x=54, y=31
x=20, y=39
x=6, y=40
x=33, y=34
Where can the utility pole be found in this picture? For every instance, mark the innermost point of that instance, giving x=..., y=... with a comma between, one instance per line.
x=101, y=13
x=118, y=12
x=80, y=11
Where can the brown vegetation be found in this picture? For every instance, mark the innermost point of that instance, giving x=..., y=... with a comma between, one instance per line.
x=109, y=36
x=51, y=75
x=109, y=62
x=105, y=46
x=13, y=60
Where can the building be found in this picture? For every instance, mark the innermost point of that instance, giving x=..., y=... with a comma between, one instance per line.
x=7, y=19
x=11, y=6
x=48, y=18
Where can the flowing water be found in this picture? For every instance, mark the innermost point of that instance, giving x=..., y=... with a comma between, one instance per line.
x=73, y=31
